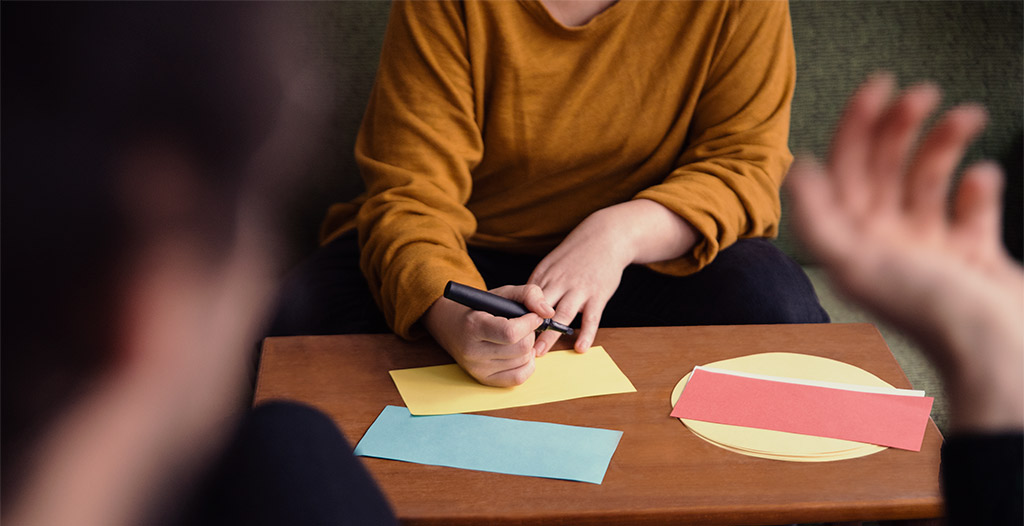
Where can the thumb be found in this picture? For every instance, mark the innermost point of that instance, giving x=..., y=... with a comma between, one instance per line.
x=532, y=297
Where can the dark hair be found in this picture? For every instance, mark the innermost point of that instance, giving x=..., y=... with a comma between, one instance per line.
x=82, y=83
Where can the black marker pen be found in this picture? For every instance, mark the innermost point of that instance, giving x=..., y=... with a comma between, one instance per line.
x=496, y=305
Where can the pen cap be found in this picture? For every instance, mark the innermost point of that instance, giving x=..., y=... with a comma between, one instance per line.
x=484, y=301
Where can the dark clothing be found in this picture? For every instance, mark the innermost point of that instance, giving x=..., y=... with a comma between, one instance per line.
x=289, y=464
x=983, y=479
x=750, y=282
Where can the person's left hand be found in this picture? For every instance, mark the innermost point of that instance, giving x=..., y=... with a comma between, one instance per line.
x=582, y=273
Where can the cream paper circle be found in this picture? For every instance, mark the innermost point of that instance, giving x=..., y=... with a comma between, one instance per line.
x=780, y=445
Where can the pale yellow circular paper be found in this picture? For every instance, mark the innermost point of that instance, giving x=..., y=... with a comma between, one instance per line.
x=779, y=445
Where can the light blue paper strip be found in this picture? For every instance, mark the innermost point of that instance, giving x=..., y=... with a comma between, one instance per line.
x=487, y=443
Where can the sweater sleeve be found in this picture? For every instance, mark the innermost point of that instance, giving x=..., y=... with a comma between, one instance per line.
x=726, y=183
x=418, y=143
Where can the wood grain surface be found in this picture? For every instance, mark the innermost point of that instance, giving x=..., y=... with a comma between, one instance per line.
x=660, y=473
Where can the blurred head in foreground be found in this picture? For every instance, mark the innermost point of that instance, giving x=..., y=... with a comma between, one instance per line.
x=135, y=140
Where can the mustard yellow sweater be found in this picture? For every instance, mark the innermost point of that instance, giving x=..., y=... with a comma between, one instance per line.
x=491, y=124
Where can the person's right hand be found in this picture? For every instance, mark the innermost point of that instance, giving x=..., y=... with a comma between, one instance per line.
x=494, y=350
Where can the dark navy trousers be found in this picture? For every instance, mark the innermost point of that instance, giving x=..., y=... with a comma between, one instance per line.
x=287, y=464
x=750, y=282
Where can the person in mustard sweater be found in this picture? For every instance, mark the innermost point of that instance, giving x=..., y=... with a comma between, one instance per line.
x=617, y=161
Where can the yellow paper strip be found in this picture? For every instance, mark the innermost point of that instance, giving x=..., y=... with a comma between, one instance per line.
x=560, y=375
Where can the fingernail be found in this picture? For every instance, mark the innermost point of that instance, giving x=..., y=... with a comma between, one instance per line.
x=973, y=109
x=988, y=165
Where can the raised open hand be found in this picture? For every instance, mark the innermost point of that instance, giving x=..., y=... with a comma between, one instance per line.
x=878, y=218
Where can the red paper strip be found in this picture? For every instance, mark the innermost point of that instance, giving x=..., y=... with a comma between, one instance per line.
x=887, y=420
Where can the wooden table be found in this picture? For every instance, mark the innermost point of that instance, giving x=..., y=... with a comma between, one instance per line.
x=660, y=473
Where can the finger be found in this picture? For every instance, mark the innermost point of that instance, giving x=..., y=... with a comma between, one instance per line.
x=565, y=312
x=500, y=330
x=896, y=133
x=928, y=179
x=486, y=358
x=589, y=324
x=545, y=341
x=851, y=144
x=533, y=297
x=511, y=355
x=567, y=309
x=818, y=216
x=512, y=376
x=977, y=209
